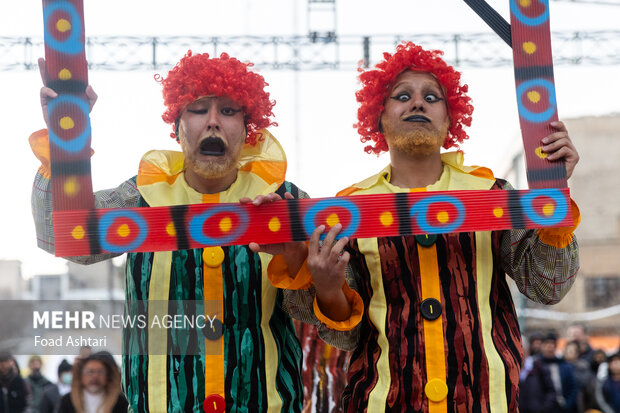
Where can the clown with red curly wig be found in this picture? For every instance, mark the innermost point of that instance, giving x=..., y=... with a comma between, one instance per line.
x=220, y=112
x=433, y=326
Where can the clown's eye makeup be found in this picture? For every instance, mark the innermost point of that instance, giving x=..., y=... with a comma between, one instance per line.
x=401, y=97
x=198, y=111
x=228, y=111
x=432, y=98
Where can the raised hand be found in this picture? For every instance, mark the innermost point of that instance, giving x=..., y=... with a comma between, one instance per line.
x=327, y=265
x=558, y=145
x=46, y=93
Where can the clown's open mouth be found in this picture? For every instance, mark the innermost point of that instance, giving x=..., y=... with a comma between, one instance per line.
x=417, y=118
x=212, y=147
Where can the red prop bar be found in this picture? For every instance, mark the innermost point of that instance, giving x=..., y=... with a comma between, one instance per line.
x=533, y=66
x=87, y=232
x=69, y=122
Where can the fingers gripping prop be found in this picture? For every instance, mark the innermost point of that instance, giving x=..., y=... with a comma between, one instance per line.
x=69, y=122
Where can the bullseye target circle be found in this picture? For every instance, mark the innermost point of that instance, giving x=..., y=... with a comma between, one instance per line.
x=438, y=214
x=542, y=17
x=226, y=223
x=69, y=106
x=532, y=85
x=122, y=230
x=545, y=207
x=71, y=44
x=340, y=210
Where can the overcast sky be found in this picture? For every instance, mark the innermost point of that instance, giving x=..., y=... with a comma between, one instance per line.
x=327, y=155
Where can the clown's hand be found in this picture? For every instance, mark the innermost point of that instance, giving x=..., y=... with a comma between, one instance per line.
x=46, y=94
x=294, y=252
x=327, y=264
x=558, y=146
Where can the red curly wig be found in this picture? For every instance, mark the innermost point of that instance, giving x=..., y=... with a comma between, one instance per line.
x=377, y=84
x=199, y=75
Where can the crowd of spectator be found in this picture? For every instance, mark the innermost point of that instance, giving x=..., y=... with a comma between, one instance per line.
x=579, y=379
x=91, y=385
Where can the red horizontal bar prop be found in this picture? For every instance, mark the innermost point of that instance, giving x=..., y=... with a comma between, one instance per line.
x=87, y=232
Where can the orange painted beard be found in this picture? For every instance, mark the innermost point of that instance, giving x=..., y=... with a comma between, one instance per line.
x=423, y=140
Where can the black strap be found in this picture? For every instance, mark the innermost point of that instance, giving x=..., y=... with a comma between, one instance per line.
x=492, y=18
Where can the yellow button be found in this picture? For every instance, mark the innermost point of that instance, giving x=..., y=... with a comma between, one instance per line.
x=213, y=256
x=436, y=390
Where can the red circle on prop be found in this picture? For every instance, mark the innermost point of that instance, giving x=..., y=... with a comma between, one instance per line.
x=435, y=208
x=53, y=30
x=66, y=109
x=114, y=238
x=344, y=216
x=542, y=104
x=212, y=226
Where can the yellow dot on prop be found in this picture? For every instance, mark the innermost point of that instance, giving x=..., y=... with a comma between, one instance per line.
x=123, y=230
x=225, y=224
x=529, y=47
x=63, y=25
x=78, y=232
x=274, y=224
x=64, y=74
x=533, y=96
x=171, y=230
x=548, y=209
x=332, y=220
x=443, y=217
x=71, y=186
x=386, y=218
x=498, y=212
x=539, y=152
x=66, y=123
x=525, y=3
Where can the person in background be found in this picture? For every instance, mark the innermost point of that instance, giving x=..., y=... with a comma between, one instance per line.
x=579, y=332
x=36, y=382
x=586, y=381
x=533, y=349
x=598, y=363
x=608, y=389
x=13, y=389
x=53, y=393
x=95, y=387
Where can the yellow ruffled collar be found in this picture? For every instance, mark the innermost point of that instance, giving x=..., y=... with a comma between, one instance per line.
x=455, y=176
x=160, y=176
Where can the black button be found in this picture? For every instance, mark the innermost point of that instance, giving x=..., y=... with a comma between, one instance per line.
x=426, y=240
x=212, y=329
x=431, y=309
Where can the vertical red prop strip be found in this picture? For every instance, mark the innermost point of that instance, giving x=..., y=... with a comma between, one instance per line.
x=533, y=66
x=69, y=122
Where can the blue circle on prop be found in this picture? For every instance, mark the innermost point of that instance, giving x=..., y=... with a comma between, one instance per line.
x=79, y=142
x=420, y=208
x=531, y=116
x=72, y=44
x=106, y=221
x=561, y=206
x=197, y=222
x=322, y=205
x=530, y=21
